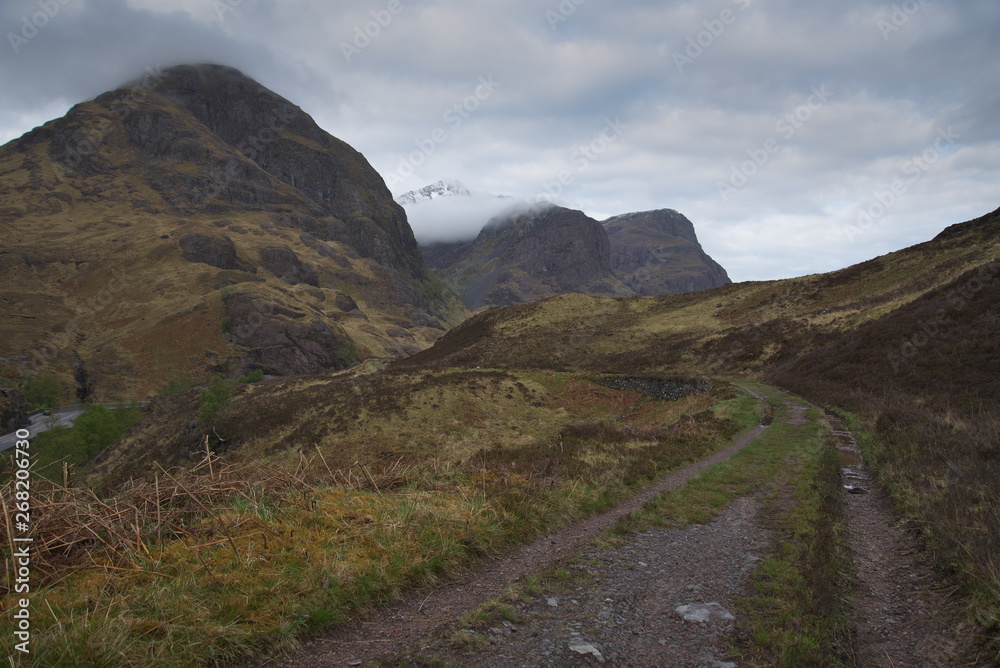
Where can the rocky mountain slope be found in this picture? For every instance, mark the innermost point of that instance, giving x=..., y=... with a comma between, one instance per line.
x=657, y=253
x=195, y=222
x=528, y=255
x=647, y=253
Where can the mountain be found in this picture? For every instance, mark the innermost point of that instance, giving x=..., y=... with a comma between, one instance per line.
x=657, y=253
x=527, y=255
x=433, y=192
x=196, y=222
x=521, y=258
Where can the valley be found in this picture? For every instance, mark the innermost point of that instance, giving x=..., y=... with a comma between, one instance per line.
x=341, y=464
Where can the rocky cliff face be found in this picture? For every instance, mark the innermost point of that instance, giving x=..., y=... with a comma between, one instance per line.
x=657, y=253
x=530, y=255
x=552, y=251
x=197, y=222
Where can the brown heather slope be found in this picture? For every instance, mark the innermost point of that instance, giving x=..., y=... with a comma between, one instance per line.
x=923, y=385
x=737, y=329
x=196, y=222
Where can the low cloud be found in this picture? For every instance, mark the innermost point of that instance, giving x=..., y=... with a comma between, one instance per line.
x=454, y=218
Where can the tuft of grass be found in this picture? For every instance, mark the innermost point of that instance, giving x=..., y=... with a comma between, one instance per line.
x=251, y=377
x=177, y=385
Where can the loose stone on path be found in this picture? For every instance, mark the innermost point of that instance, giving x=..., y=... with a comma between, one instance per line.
x=704, y=612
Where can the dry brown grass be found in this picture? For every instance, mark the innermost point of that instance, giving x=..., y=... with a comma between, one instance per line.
x=74, y=529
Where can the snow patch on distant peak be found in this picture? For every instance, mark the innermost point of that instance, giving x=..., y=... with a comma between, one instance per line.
x=432, y=192
x=448, y=211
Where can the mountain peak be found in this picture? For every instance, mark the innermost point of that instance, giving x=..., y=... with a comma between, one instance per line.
x=193, y=179
x=657, y=252
x=434, y=191
x=667, y=221
x=529, y=254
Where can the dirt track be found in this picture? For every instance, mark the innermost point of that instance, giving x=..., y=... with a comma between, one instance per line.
x=623, y=611
x=388, y=631
x=904, y=615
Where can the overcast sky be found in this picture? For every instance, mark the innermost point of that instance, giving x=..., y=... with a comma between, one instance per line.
x=798, y=136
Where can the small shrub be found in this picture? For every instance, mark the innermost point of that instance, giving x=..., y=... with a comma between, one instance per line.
x=176, y=385
x=99, y=426
x=251, y=377
x=214, y=400
x=42, y=392
x=347, y=352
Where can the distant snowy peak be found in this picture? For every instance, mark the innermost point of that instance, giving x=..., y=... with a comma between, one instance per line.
x=433, y=192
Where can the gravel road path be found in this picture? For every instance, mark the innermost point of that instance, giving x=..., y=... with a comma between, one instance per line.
x=384, y=634
x=664, y=596
x=620, y=605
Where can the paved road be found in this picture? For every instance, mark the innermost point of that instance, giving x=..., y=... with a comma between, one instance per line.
x=61, y=417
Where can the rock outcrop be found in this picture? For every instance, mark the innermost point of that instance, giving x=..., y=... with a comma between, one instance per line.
x=550, y=250
x=217, y=252
x=658, y=253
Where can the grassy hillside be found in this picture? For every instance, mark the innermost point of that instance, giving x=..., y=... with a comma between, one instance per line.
x=905, y=343
x=923, y=385
x=353, y=489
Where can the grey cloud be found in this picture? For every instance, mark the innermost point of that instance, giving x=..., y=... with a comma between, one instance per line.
x=893, y=90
